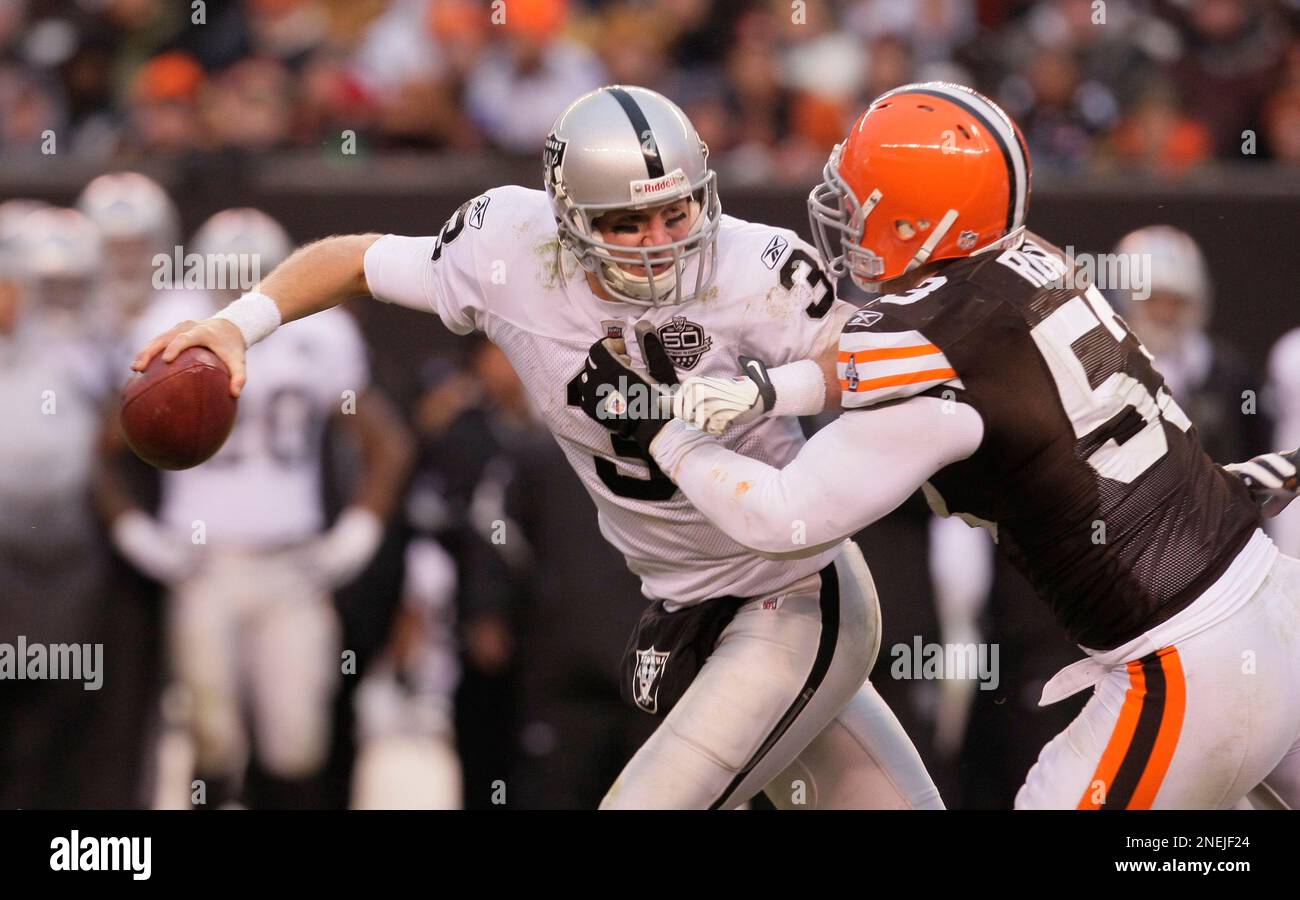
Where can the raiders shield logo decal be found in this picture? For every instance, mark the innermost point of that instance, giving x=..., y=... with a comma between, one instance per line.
x=684, y=342
x=553, y=159
x=649, y=672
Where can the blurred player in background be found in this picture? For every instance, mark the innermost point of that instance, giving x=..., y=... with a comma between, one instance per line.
x=406, y=757
x=763, y=661
x=1211, y=381
x=137, y=221
x=53, y=564
x=1284, y=403
x=242, y=542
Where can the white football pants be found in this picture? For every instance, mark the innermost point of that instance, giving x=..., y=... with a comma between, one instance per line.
x=255, y=626
x=782, y=705
x=1194, y=725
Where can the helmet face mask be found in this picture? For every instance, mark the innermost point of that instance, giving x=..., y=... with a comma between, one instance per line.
x=838, y=219
x=607, y=153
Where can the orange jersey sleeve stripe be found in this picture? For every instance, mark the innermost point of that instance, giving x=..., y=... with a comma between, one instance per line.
x=866, y=356
x=872, y=384
x=1171, y=727
x=1094, y=794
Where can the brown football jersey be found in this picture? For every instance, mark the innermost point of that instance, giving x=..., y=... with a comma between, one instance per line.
x=1089, y=473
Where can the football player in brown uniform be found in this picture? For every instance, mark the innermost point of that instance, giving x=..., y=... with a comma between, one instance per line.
x=994, y=376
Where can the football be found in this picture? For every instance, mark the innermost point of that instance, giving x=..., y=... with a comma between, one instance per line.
x=176, y=415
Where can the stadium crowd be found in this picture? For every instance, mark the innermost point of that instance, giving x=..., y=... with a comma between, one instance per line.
x=1158, y=85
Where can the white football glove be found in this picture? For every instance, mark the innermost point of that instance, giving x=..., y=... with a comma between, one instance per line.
x=1271, y=478
x=153, y=549
x=339, y=555
x=712, y=404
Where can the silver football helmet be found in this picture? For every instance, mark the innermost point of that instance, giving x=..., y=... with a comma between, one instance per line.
x=620, y=148
x=130, y=206
x=12, y=212
x=57, y=254
x=243, y=244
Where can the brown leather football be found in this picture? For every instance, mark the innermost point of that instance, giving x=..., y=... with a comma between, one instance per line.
x=176, y=415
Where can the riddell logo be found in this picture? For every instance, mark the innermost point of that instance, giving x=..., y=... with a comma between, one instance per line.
x=652, y=187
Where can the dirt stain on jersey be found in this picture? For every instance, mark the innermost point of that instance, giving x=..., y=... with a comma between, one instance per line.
x=742, y=488
x=780, y=303
x=549, y=271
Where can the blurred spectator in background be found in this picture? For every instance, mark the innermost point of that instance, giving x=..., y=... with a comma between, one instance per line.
x=527, y=75
x=472, y=421
x=765, y=79
x=1158, y=137
x=250, y=105
x=1209, y=379
x=632, y=42
x=1233, y=53
x=933, y=30
x=1282, y=124
x=1059, y=112
x=164, y=115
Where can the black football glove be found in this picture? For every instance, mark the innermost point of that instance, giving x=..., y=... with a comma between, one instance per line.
x=629, y=401
x=1271, y=478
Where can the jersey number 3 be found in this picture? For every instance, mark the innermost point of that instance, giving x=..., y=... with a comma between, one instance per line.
x=656, y=487
x=1118, y=422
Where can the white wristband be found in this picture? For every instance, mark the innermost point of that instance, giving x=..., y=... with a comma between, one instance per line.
x=254, y=314
x=800, y=389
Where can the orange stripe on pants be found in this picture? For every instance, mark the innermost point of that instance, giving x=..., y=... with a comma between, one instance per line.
x=1171, y=727
x=1119, y=742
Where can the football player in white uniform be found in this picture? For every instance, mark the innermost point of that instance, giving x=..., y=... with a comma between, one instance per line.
x=241, y=540
x=137, y=221
x=758, y=664
x=53, y=564
x=1020, y=402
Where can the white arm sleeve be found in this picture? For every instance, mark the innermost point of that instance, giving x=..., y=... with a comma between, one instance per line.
x=851, y=473
x=402, y=270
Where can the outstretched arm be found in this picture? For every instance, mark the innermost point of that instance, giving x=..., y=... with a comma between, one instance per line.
x=851, y=473
x=316, y=277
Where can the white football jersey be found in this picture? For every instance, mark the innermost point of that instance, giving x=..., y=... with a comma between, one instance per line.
x=1284, y=393
x=264, y=485
x=51, y=408
x=496, y=267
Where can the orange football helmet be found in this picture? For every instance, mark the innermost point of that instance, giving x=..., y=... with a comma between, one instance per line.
x=930, y=171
